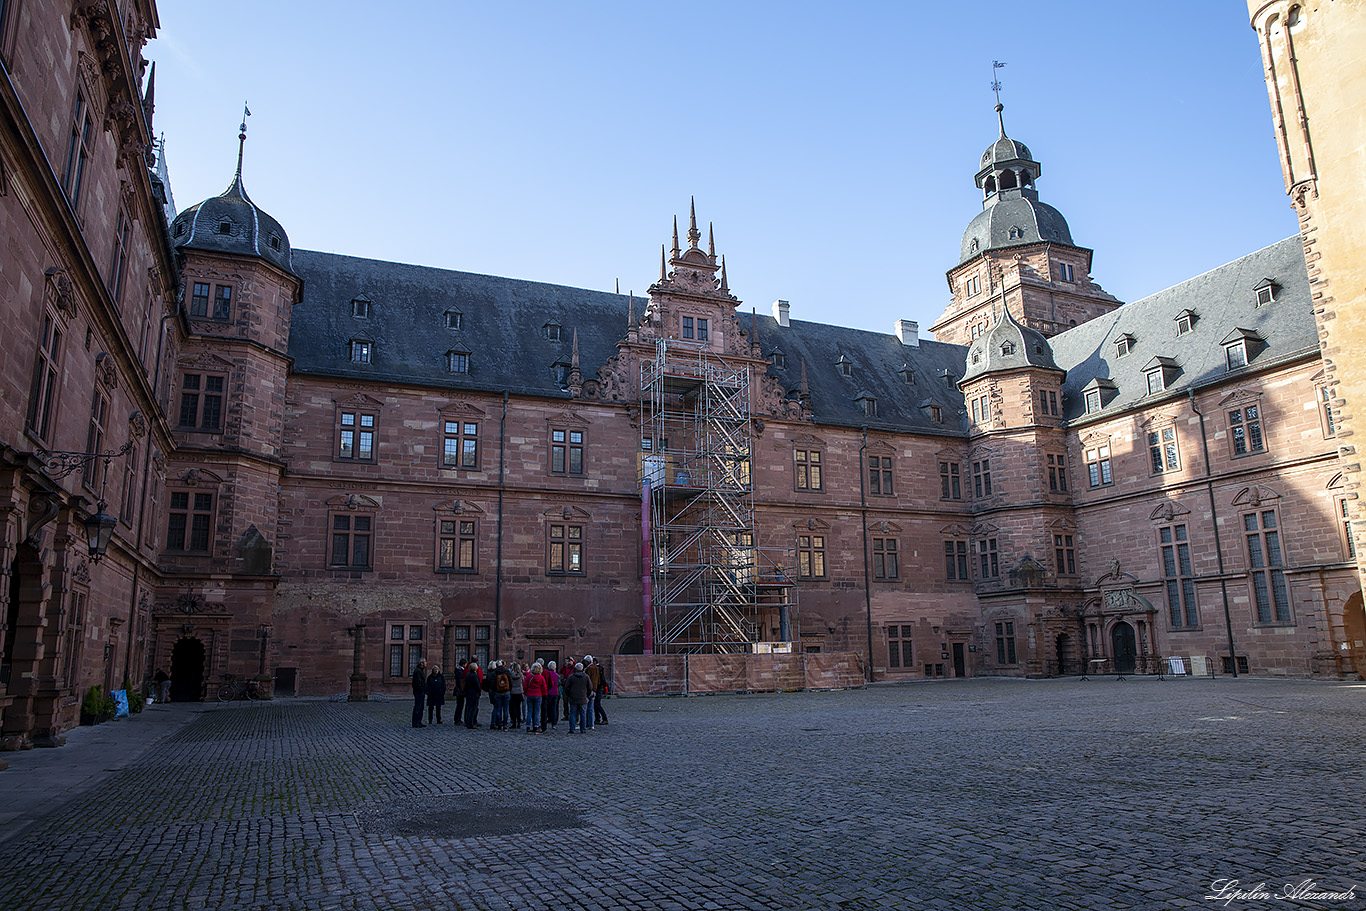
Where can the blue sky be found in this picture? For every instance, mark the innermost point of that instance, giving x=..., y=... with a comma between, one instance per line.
x=832, y=145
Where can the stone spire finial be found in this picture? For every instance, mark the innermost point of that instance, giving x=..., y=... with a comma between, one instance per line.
x=711, y=241
x=575, y=376
x=677, y=250
x=663, y=264
x=694, y=235
x=724, y=286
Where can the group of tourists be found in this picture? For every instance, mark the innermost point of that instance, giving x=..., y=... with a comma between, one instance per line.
x=532, y=697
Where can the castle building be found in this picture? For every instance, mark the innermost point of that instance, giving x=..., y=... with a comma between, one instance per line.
x=319, y=468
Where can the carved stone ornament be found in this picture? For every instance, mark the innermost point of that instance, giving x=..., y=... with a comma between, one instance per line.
x=81, y=574
x=58, y=291
x=105, y=372
x=137, y=425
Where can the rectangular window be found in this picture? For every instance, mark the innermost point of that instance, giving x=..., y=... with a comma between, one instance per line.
x=351, y=542
x=1264, y=559
x=1053, y=403
x=1346, y=523
x=460, y=445
x=900, y=654
x=46, y=379
x=973, y=285
x=987, y=558
x=687, y=327
x=1162, y=450
x=1098, y=466
x=1048, y=402
x=884, y=559
x=199, y=299
x=880, y=476
x=360, y=352
x=1245, y=426
x=981, y=478
x=356, y=436
x=190, y=521
x=222, y=301
x=811, y=556
x=94, y=442
x=455, y=545
x=77, y=151
x=981, y=409
x=458, y=362
x=1066, y=274
x=1092, y=401
x=956, y=561
x=1005, y=643
x=1057, y=472
x=566, y=549
x=950, y=484
x=1065, y=554
x=1155, y=384
x=808, y=468
x=566, y=451
x=1228, y=664
x=120, y=259
x=701, y=330
x=1182, y=609
x=1236, y=355
x=1326, y=413
x=201, y=402
x=407, y=646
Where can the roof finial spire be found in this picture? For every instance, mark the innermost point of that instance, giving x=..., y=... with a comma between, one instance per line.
x=996, y=87
x=574, y=355
x=618, y=286
x=676, y=249
x=663, y=269
x=711, y=241
x=631, y=311
x=724, y=286
x=694, y=235
x=242, y=138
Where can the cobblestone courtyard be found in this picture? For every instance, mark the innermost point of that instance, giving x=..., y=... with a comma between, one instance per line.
x=968, y=794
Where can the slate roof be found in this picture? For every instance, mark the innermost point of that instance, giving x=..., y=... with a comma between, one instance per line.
x=1006, y=346
x=878, y=361
x=1008, y=209
x=1222, y=299
x=502, y=325
x=251, y=231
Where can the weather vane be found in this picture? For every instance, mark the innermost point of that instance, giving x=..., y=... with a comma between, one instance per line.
x=246, y=112
x=996, y=83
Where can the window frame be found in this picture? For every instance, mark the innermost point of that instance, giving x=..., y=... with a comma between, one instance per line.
x=79, y=152
x=119, y=262
x=565, y=543
x=886, y=564
x=808, y=469
x=901, y=646
x=950, y=480
x=460, y=541
x=92, y=477
x=1057, y=472
x=880, y=476
x=1242, y=427
x=353, y=533
x=46, y=384
x=1328, y=418
x=566, y=451
x=981, y=478
x=988, y=555
x=460, y=449
x=197, y=398
x=359, y=432
x=1178, y=577
x=1100, y=469
x=1269, y=588
x=956, y=560
x=362, y=351
x=1064, y=553
x=1006, y=653
x=811, y=557
x=408, y=648
x=1164, y=452
x=196, y=517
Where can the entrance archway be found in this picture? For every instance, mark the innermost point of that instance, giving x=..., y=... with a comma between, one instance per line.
x=1354, y=629
x=1063, y=647
x=1123, y=647
x=634, y=644
x=187, y=670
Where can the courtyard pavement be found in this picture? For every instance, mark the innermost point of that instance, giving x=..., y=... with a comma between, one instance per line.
x=1057, y=794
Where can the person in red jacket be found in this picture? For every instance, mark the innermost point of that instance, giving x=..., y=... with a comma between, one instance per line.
x=550, y=708
x=533, y=694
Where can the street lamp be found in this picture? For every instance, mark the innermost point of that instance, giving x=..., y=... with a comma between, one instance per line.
x=99, y=528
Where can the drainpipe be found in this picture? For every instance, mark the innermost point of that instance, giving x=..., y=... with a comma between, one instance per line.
x=867, y=581
x=498, y=570
x=1218, y=547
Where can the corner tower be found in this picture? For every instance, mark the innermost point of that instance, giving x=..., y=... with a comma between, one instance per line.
x=1017, y=253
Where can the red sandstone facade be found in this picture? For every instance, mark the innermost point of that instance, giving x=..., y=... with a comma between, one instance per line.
x=319, y=525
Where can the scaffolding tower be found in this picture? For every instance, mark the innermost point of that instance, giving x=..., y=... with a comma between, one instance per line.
x=713, y=588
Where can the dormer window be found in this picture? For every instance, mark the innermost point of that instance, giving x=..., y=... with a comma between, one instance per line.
x=225, y=227
x=778, y=358
x=936, y=414
x=1154, y=378
x=1265, y=291
x=1185, y=321
x=274, y=241
x=868, y=404
x=908, y=375
x=976, y=356
x=1236, y=354
x=560, y=371
x=1092, y=401
x=1098, y=393
x=458, y=361
x=1160, y=372
x=1015, y=232
x=360, y=307
x=1007, y=349
x=972, y=247
x=360, y=351
x=1124, y=344
x=180, y=229
x=551, y=331
x=1240, y=347
x=455, y=319
x=846, y=366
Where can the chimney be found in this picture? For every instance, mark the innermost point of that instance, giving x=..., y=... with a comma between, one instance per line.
x=908, y=330
x=780, y=309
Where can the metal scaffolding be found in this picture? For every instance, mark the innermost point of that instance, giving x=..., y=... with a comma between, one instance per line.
x=713, y=589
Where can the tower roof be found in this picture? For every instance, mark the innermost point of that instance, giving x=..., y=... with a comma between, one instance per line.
x=1011, y=212
x=1008, y=346
x=231, y=223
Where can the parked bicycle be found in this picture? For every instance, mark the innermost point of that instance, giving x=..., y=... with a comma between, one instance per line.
x=239, y=689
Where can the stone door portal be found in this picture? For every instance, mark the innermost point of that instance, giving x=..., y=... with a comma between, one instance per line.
x=187, y=671
x=1123, y=647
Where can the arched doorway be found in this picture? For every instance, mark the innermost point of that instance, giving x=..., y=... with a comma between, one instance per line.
x=1123, y=647
x=633, y=644
x=187, y=670
x=1354, y=630
x=1063, y=650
